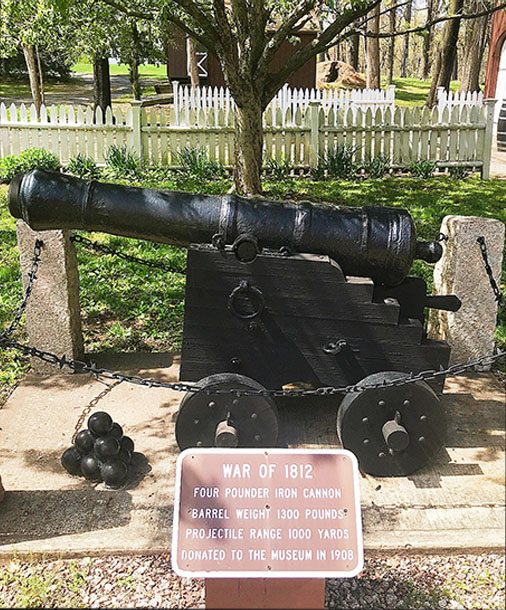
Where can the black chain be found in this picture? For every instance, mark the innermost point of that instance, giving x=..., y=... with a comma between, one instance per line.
x=32, y=276
x=488, y=269
x=91, y=405
x=102, y=373
x=103, y=249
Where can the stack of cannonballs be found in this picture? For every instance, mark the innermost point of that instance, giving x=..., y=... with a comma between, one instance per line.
x=100, y=453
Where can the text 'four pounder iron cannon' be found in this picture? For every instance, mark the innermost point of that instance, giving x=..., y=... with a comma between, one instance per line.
x=277, y=293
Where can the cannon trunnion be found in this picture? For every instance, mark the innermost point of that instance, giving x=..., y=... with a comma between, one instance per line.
x=288, y=293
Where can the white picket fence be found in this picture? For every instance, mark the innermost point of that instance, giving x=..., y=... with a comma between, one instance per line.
x=65, y=130
x=450, y=99
x=461, y=137
x=212, y=99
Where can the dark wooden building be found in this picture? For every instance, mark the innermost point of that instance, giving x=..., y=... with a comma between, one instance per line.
x=495, y=80
x=210, y=70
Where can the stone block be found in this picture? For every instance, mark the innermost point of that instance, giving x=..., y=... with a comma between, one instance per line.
x=53, y=316
x=461, y=271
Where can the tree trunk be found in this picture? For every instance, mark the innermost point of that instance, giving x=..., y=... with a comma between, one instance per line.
x=405, y=51
x=427, y=43
x=41, y=75
x=449, y=45
x=101, y=82
x=192, y=57
x=133, y=75
x=372, y=75
x=455, y=69
x=446, y=59
x=391, y=48
x=249, y=140
x=31, y=64
x=166, y=54
x=133, y=65
x=432, y=97
x=473, y=51
x=354, y=48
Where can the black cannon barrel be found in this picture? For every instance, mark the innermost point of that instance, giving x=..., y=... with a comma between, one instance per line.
x=369, y=241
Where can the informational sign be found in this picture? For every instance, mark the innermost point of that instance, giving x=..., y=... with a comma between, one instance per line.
x=267, y=513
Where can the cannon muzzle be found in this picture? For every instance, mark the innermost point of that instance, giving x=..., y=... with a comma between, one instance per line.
x=375, y=242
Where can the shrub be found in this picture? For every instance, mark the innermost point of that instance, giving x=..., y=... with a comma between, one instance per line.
x=458, y=172
x=123, y=162
x=277, y=170
x=195, y=163
x=337, y=163
x=84, y=167
x=29, y=159
x=423, y=168
x=378, y=167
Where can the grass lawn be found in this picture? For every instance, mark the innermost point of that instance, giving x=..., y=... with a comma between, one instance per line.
x=413, y=91
x=132, y=308
x=146, y=70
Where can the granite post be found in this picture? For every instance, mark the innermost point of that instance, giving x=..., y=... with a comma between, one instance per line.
x=53, y=317
x=461, y=271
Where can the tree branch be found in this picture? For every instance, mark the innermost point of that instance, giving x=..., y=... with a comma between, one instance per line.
x=429, y=24
x=320, y=44
x=386, y=11
x=119, y=6
x=240, y=15
x=204, y=41
x=283, y=31
x=227, y=52
x=201, y=18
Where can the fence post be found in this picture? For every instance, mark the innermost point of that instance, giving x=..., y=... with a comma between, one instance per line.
x=487, y=140
x=137, y=129
x=314, y=152
x=442, y=100
x=175, y=97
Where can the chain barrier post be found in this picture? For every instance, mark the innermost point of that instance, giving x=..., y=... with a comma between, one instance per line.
x=461, y=271
x=53, y=318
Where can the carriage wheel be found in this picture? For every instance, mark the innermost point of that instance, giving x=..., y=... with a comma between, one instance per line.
x=210, y=419
x=393, y=431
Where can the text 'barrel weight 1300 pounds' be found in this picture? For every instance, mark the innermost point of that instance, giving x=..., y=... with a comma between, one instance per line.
x=280, y=293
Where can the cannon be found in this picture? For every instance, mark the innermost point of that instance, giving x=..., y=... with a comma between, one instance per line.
x=281, y=293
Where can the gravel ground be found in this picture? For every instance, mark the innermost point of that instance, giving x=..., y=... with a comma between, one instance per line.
x=428, y=581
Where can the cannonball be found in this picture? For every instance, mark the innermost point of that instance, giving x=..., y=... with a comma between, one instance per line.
x=85, y=441
x=90, y=467
x=114, y=472
x=125, y=456
x=116, y=431
x=100, y=423
x=71, y=460
x=106, y=447
x=127, y=443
